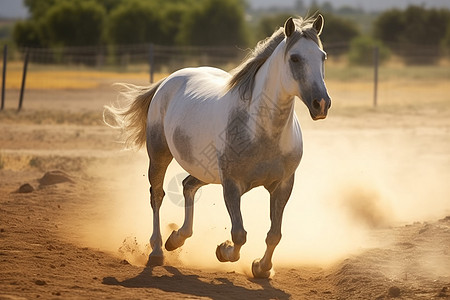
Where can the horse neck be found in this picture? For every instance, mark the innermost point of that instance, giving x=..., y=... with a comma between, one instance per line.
x=271, y=107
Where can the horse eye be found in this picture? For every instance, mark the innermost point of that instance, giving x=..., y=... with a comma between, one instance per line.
x=295, y=58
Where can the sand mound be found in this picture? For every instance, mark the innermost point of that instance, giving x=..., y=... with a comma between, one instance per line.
x=54, y=177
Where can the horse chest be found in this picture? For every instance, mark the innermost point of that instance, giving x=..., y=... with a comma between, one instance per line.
x=259, y=161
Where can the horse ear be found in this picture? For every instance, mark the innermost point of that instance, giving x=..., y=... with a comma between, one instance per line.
x=318, y=24
x=289, y=27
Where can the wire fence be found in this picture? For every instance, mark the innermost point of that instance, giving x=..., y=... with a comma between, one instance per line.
x=88, y=72
x=123, y=56
x=170, y=58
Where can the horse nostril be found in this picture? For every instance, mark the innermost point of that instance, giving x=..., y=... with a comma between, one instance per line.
x=316, y=104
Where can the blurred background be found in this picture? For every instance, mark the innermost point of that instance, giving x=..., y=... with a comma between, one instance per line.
x=76, y=46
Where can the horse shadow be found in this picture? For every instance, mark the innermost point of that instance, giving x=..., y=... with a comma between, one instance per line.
x=192, y=285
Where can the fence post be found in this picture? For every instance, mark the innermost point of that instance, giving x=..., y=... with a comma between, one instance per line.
x=151, y=61
x=24, y=77
x=5, y=54
x=375, y=75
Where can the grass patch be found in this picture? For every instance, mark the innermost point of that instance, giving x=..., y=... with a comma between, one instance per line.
x=65, y=78
x=51, y=117
x=48, y=77
x=388, y=72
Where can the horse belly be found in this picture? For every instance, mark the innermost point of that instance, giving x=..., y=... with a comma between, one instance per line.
x=194, y=147
x=197, y=158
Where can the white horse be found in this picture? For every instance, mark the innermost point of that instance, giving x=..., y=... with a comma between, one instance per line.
x=237, y=130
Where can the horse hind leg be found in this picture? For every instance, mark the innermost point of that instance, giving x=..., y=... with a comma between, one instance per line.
x=156, y=176
x=160, y=158
x=178, y=237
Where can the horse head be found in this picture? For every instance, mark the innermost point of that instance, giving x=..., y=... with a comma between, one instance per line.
x=304, y=57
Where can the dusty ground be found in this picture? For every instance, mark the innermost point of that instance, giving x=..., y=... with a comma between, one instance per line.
x=60, y=240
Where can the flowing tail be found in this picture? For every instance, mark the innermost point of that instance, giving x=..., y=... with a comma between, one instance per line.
x=131, y=117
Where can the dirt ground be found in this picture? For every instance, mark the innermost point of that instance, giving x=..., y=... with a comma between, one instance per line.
x=369, y=217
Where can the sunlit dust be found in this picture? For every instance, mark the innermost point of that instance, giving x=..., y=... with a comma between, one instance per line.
x=346, y=186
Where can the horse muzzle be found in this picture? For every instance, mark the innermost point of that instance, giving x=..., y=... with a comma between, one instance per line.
x=319, y=108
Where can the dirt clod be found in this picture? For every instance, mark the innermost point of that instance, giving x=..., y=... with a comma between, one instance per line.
x=40, y=282
x=25, y=189
x=394, y=292
x=443, y=292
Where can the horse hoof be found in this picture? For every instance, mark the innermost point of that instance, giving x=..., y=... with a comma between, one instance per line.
x=257, y=271
x=224, y=252
x=219, y=255
x=173, y=242
x=155, y=261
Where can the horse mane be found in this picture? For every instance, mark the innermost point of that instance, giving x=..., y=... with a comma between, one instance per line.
x=243, y=76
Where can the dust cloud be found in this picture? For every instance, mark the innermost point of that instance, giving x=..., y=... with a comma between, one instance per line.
x=349, y=183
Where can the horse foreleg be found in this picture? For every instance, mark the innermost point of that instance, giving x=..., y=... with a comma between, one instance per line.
x=229, y=251
x=177, y=238
x=278, y=199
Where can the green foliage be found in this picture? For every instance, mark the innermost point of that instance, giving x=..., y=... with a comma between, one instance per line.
x=172, y=16
x=415, y=33
x=445, y=43
x=425, y=26
x=39, y=8
x=61, y=23
x=389, y=26
x=135, y=22
x=5, y=31
x=338, y=30
x=90, y=22
x=362, y=51
x=28, y=33
x=75, y=23
x=110, y=5
x=268, y=24
x=214, y=22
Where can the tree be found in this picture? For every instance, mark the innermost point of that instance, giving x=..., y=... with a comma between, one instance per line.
x=27, y=34
x=61, y=23
x=361, y=51
x=214, y=22
x=38, y=9
x=77, y=23
x=268, y=24
x=446, y=41
x=30, y=33
x=389, y=26
x=415, y=33
x=338, y=30
x=82, y=22
x=135, y=22
x=337, y=34
x=172, y=16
